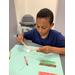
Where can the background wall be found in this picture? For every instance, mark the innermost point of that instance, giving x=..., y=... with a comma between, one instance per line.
x=12, y=19
x=60, y=18
x=33, y=6
x=20, y=9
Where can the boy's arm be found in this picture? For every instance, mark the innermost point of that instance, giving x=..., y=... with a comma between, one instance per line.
x=58, y=50
x=49, y=49
x=29, y=35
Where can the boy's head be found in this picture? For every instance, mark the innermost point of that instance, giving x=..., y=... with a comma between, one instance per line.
x=44, y=21
x=46, y=13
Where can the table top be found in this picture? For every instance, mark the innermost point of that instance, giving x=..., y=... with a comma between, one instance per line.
x=13, y=42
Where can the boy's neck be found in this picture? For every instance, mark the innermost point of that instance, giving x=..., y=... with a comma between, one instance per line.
x=44, y=36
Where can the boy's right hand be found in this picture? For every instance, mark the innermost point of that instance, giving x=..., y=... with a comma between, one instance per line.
x=20, y=38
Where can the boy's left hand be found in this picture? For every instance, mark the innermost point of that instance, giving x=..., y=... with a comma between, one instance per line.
x=44, y=49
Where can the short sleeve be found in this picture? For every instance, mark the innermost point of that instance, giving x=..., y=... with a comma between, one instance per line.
x=60, y=40
x=29, y=34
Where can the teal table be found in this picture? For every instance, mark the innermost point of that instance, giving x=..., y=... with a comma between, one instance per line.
x=17, y=65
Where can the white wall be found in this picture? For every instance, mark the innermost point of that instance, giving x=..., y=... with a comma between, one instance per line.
x=20, y=9
x=33, y=6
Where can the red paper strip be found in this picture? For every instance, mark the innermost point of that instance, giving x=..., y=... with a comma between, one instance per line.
x=45, y=73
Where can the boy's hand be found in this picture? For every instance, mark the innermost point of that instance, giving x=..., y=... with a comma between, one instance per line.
x=44, y=49
x=20, y=38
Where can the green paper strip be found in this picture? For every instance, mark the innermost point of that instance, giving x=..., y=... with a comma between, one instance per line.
x=48, y=62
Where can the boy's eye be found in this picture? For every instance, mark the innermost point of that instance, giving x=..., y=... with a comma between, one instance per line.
x=43, y=28
x=38, y=27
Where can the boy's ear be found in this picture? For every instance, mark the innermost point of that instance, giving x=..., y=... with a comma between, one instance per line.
x=52, y=25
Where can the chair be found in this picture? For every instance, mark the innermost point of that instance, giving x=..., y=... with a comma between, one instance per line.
x=27, y=23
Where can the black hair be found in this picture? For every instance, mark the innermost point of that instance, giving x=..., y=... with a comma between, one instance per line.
x=44, y=13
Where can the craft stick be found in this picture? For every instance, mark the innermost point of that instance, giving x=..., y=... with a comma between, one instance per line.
x=34, y=49
x=25, y=44
x=26, y=61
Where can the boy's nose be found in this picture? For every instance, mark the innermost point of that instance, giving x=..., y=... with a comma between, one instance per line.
x=40, y=30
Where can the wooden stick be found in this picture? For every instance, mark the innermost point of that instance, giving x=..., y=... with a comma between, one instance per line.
x=34, y=49
x=25, y=44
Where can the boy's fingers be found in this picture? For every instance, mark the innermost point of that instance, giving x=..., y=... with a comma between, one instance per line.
x=18, y=39
x=21, y=41
x=39, y=50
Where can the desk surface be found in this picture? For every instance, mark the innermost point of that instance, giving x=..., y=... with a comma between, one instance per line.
x=13, y=42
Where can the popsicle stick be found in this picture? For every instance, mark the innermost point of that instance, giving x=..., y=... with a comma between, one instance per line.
x=25, y=44
x=34, y=49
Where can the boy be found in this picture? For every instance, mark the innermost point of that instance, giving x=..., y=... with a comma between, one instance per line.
x=52, y=41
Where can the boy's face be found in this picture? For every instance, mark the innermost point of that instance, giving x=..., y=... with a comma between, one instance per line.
x=43, y=26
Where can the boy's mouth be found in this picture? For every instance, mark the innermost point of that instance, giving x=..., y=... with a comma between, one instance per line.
x=40, y=33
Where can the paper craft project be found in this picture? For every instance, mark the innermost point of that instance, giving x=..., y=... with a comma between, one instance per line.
x=45, y=73
x=17, y=64
x=47, y=63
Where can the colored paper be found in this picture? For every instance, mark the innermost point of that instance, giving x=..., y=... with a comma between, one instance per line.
x=17, y=64
x=47, y=63
x=45, y=73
